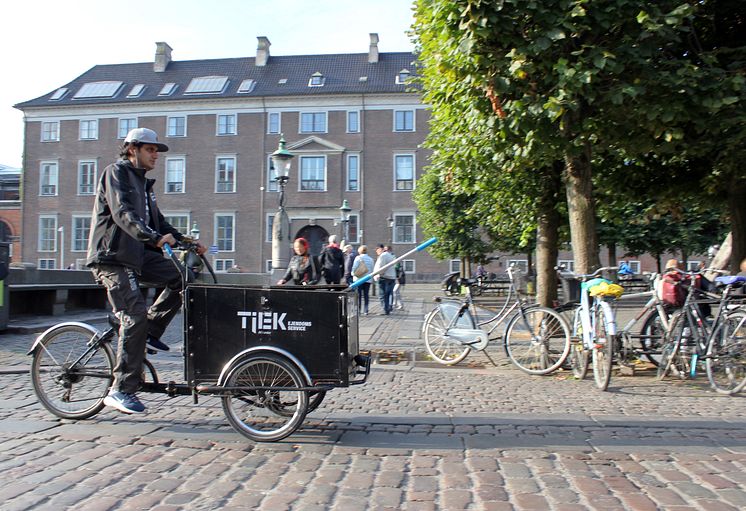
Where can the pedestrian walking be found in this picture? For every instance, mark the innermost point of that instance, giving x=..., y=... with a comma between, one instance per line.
x=350, y=256
x=401, y=280
x=362, y=266
x=124, y=248
x=387, y=279
x=332, y=262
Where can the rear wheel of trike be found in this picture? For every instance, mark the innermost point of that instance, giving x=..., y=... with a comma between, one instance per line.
x=270, y=408
x=70, y=378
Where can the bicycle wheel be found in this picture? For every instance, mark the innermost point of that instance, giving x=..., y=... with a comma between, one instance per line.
x=578, y=359
x=726, y=355
x=265, y=414
x=602, y=353
x=670, y=359
x=537, y=340
x=286, y=408
x=651, y=337
x=439, y=345
x=71, y=378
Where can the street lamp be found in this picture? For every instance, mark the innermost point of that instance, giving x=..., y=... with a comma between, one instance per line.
x=281, y=159
x=61, y=230
x=390, y=220
x=344, y=216
x=195, y=231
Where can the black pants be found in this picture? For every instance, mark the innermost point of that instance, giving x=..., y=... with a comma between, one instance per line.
x=136, y=321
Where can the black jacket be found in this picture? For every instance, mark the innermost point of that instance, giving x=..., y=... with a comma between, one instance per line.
x=300, y=271
x=119, y=232
x=332, y=263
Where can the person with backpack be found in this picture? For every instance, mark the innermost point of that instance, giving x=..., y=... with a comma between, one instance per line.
x=332, y=262
x=362, y=266
x=401, y=280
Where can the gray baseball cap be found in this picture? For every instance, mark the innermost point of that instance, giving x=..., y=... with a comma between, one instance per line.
x=145, y=136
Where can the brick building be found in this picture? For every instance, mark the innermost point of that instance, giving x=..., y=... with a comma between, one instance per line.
x=353, y=123
x=10, y=210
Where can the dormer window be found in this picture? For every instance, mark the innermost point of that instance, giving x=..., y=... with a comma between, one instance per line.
x=136, y=90
x=317, y=80
x=402, y=77
x=167, y=89
x=247, y=86
x=59, y=94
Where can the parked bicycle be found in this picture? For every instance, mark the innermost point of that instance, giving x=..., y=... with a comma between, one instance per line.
x=719, y=344
x=536, y=339
x=594, y=327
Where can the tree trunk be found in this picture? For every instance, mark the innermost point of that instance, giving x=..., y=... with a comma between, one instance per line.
x=547, y=237
x=612, y=253
x=737, y=209
x=581, y=211
x=722, y=258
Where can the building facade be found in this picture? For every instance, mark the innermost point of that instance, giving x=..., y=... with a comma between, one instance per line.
x=352, y=121
x=10, y=210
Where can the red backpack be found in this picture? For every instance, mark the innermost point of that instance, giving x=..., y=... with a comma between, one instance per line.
x=672, y=291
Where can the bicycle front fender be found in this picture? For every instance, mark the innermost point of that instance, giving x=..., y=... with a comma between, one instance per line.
x=94, y=331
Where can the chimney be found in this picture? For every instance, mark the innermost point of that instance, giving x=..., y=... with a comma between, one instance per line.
x=162, y=57
x=262, y=51
x=373, y=50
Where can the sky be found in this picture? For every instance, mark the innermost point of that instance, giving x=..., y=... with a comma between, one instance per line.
x=57, y=41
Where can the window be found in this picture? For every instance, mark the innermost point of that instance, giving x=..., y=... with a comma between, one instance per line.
x=225, y=175
x=352, y=229
x=167, y=89
x=176, y=127
x=106, y=89
x=272, y=185
x=48, y=233
x=270, y=225
x=313, y=122
x=404, y=172
x=175, y=175
x=353, y=173
x=136, y=90
x=268, y=266
x=48, y=178
x=247, y=86
x=58, y=94
x=224, y=232
x=227, y=124
x=403, y=228
x=81, y=228
x=86, y=177
x=273, y=122
x=179, y=221
x=520, y=264
x=126, y=125
x=402, y=77
x=353, y=121
x=207, y=85
x=224, y=264
x=313, y=173
x=567, y=264
x=89, y=130
x=409, y=265
x=404, y=120
x=635, y=266
x=50, y=131
x=454, y=265
x=316, y=80
x=47, y=264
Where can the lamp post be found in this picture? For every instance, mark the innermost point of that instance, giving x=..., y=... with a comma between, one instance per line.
x=344, y=217
x=61, y=230
x=281, y=159
x=390, y=221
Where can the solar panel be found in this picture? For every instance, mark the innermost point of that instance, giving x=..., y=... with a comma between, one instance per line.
x=98, y=90
x=207, y=85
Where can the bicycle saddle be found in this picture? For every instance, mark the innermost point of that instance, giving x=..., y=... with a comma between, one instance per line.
x=731, y=280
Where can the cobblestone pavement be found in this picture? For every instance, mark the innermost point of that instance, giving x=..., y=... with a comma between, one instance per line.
x=416, y=436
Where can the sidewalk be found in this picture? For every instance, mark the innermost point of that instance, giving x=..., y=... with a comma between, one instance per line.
x=416, y=436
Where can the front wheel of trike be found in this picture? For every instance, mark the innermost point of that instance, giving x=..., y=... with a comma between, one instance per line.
x=262, y=400
x=71, y=373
